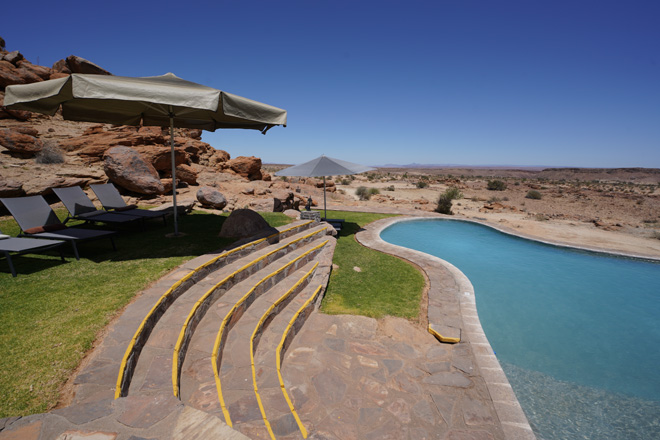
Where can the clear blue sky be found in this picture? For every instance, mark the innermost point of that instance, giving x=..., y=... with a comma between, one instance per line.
x=491, y=82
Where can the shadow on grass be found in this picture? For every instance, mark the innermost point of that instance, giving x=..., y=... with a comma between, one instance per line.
x=199, y=235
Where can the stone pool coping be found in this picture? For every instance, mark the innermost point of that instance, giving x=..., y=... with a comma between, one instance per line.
x=462, y=321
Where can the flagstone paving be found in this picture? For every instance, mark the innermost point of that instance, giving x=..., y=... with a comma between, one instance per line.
x=348, y=377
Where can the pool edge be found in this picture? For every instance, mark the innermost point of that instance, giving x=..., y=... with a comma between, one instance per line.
x=511, y=416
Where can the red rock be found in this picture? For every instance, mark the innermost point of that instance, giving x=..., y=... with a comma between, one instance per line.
x=20, y=143
x=248, y=167
x=9, y=75
x=56, y=75
x=13, y=57
x=61, y=66
x=81, y=65
x=41, y=71
x=186, y=173
x=161, y=156
x=125, y=167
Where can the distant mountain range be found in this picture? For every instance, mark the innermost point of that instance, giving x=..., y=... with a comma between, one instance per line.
x=490, y=167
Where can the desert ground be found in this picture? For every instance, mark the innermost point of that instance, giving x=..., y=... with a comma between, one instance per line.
x=617, y=210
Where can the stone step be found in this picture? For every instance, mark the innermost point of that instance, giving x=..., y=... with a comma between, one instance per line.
x=134, y=331
x=153, y=372
x=254, y=400
x=235, y=368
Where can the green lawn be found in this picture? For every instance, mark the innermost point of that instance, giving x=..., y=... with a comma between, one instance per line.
x=385, y=284
x=51, y=313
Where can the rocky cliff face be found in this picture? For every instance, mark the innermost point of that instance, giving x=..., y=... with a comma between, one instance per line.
x=38, y=152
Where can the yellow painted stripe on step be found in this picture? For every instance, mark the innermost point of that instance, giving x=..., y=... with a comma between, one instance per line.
x=278, y=361
x=254, y=334
x=193, y=311
x=131, y=345
x=443, y=338
x=225, y=321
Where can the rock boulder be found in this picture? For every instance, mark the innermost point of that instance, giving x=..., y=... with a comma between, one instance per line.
x=248, y=167
x=125, y=167
x=243, y=223
x=211, y=198
x=20, y=142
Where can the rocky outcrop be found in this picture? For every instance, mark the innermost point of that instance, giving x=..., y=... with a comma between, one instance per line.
x=243, y=223
x=125, y=167
x=211, y=198
x=88, y=146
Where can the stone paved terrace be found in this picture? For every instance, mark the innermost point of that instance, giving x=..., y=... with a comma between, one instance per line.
x=347, y=377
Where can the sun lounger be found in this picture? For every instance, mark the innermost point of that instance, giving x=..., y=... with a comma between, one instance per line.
x=80, y=207
x=113, y=202
x=37, y=219
x=19, y=246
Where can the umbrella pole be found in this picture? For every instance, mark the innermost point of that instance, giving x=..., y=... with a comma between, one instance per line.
x=176, y=224
x=325, y=206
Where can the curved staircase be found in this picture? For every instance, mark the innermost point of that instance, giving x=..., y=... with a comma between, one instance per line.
x=214, y=332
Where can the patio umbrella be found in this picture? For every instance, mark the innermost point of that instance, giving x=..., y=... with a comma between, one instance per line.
x=156, y=100
x=324, y=166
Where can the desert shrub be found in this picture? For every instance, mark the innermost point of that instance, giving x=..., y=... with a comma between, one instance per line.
x=365, y=193
x=422, y=184
x=389, y=188
x=345, y=181
x=494, y=200
x=282, y=178
x=533, y=194
x=50, y=153
x=445, y=199
x=655, y=235
x=496, y=185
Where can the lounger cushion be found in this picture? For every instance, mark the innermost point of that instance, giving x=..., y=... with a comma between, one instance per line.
x=126, y=208
x=3, y=236
x=45, y=228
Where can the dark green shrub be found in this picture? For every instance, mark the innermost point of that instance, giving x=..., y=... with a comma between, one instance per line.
x=533, y=194
x=373, y=191
x=422, y=184
x=445, y=199
x=389, y=188
x=496, y=185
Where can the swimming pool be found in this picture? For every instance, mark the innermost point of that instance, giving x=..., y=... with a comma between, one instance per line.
x=578, y=333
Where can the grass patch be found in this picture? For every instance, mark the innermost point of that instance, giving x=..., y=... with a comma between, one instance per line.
x=386, y=285
x=51, y=313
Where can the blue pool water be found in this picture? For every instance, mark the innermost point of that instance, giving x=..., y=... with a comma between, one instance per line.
x=578, y=333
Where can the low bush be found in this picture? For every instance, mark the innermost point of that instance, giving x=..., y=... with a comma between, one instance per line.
x=533, y=194
x=445, y=199
x=496, y=185
x=422, y=184
x=365, y=193
x=389, y=188
x=50, y=154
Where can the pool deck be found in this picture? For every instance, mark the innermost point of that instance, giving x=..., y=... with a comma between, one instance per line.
x=452, y=312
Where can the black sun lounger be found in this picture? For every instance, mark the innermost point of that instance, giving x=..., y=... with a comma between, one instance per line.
x=37, y=219
x=18, y=246
x=112, y=201
x=80, y=207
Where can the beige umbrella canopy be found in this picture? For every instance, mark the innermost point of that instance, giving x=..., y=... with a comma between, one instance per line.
x=156, y=101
